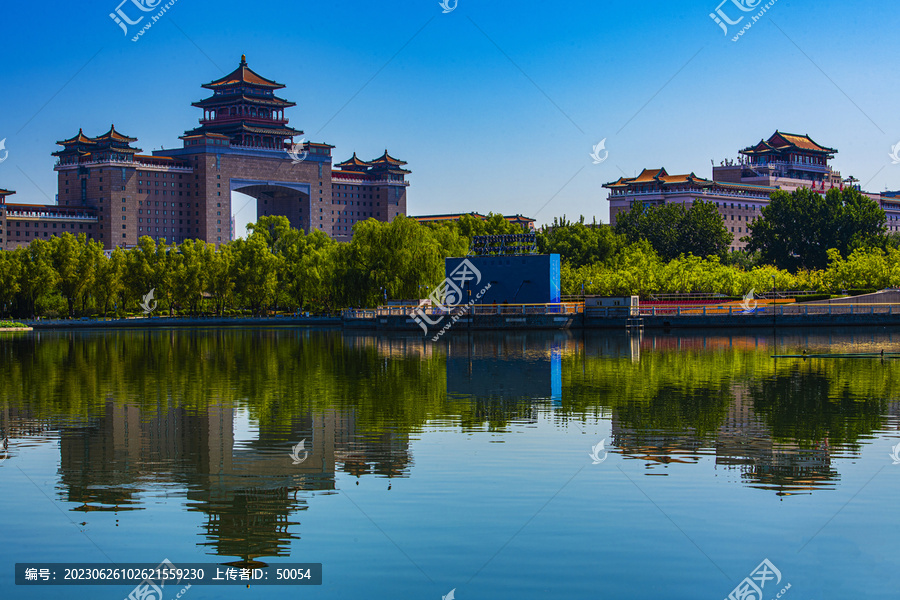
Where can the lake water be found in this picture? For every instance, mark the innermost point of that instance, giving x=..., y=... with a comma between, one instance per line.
x=471, y=465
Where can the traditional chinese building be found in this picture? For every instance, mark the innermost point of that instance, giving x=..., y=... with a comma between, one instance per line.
x=738, y=203
x=740, y=189
x=786, y=161
x=523, y=222
x=244, y=144
x=110, y=191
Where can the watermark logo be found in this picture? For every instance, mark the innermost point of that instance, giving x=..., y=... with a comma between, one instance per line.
x=895, y=153
x=723, y=20
x=446, y=298
x=146, y=303
x=751, y=588
x=298, y=152
x=296, y=450
x=448, y=8
x=749, y=304
x=123, y=20
x=596, y=450
x=3, y=148
x=152, y=587
x=596, y=153
x=896, y=454
x=450, y=596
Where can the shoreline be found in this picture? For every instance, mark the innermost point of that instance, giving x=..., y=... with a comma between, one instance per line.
x=184, y=322
x=522, y=323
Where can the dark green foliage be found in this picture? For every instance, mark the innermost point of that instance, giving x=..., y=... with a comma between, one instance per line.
x=673, y=229
x=579, y=244
x=797, y=229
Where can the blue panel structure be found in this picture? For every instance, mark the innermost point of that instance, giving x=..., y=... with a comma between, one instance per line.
x=555, y=278
x=522, y=279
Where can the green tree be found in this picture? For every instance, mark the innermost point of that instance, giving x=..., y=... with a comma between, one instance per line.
x=190, y=274
x=221, y=273
x=493, y=224
x=256, y=272
x=37, y=276
x=673, y=229
x=150, y=266
x=579, y=244
x=796, y=230
x=92, y=260
x=109, y=278
x=74, y=267
x=10, y=268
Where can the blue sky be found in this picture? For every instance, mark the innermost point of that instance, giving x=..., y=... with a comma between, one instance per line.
x=495, y=105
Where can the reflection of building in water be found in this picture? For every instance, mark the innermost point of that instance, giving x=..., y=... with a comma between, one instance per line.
x=487, y=366
x=385, y=454
x=397, y=346
x=19, y=424
x=745, y=443
x=655, y=447
x=247, y=490
x=742, y=442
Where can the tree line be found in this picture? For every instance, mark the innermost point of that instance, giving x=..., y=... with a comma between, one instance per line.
x=804, y=240
x=275, y=267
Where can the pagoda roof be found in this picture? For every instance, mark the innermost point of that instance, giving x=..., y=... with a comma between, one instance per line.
x=286, y=131
x=659, y=177
x=6, y=193
x=354, y=164
x=230, y=98
x=243, y=74
x=202, y=135
x=458, y=216
x=80, y=138
x=780, y=142
x=69, y=151
x=235, y=128
x=114, y=135
x=387, y=159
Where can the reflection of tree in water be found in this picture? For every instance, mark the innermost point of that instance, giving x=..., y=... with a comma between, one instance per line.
x=811, y=407
x=672, y=426
x=695, y=412
x=776, y=423
x=808, y=413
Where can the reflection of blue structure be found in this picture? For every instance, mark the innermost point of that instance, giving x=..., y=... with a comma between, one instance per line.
x=556, y=375
x=522, y=279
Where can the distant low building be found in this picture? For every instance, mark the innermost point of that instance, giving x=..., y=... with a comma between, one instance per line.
x=524, y=222
x=20, y=224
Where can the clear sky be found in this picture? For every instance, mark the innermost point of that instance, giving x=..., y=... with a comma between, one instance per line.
x=495, y=105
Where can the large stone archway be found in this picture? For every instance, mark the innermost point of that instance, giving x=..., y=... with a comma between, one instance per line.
x=284, y=198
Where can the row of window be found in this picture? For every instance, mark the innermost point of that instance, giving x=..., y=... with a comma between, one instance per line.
x=752, y=207
x=46, y=225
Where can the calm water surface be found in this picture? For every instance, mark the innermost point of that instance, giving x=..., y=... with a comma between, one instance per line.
x=461, y=465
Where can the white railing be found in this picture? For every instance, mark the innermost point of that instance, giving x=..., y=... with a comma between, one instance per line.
x=50, y=216
x=125, y=163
